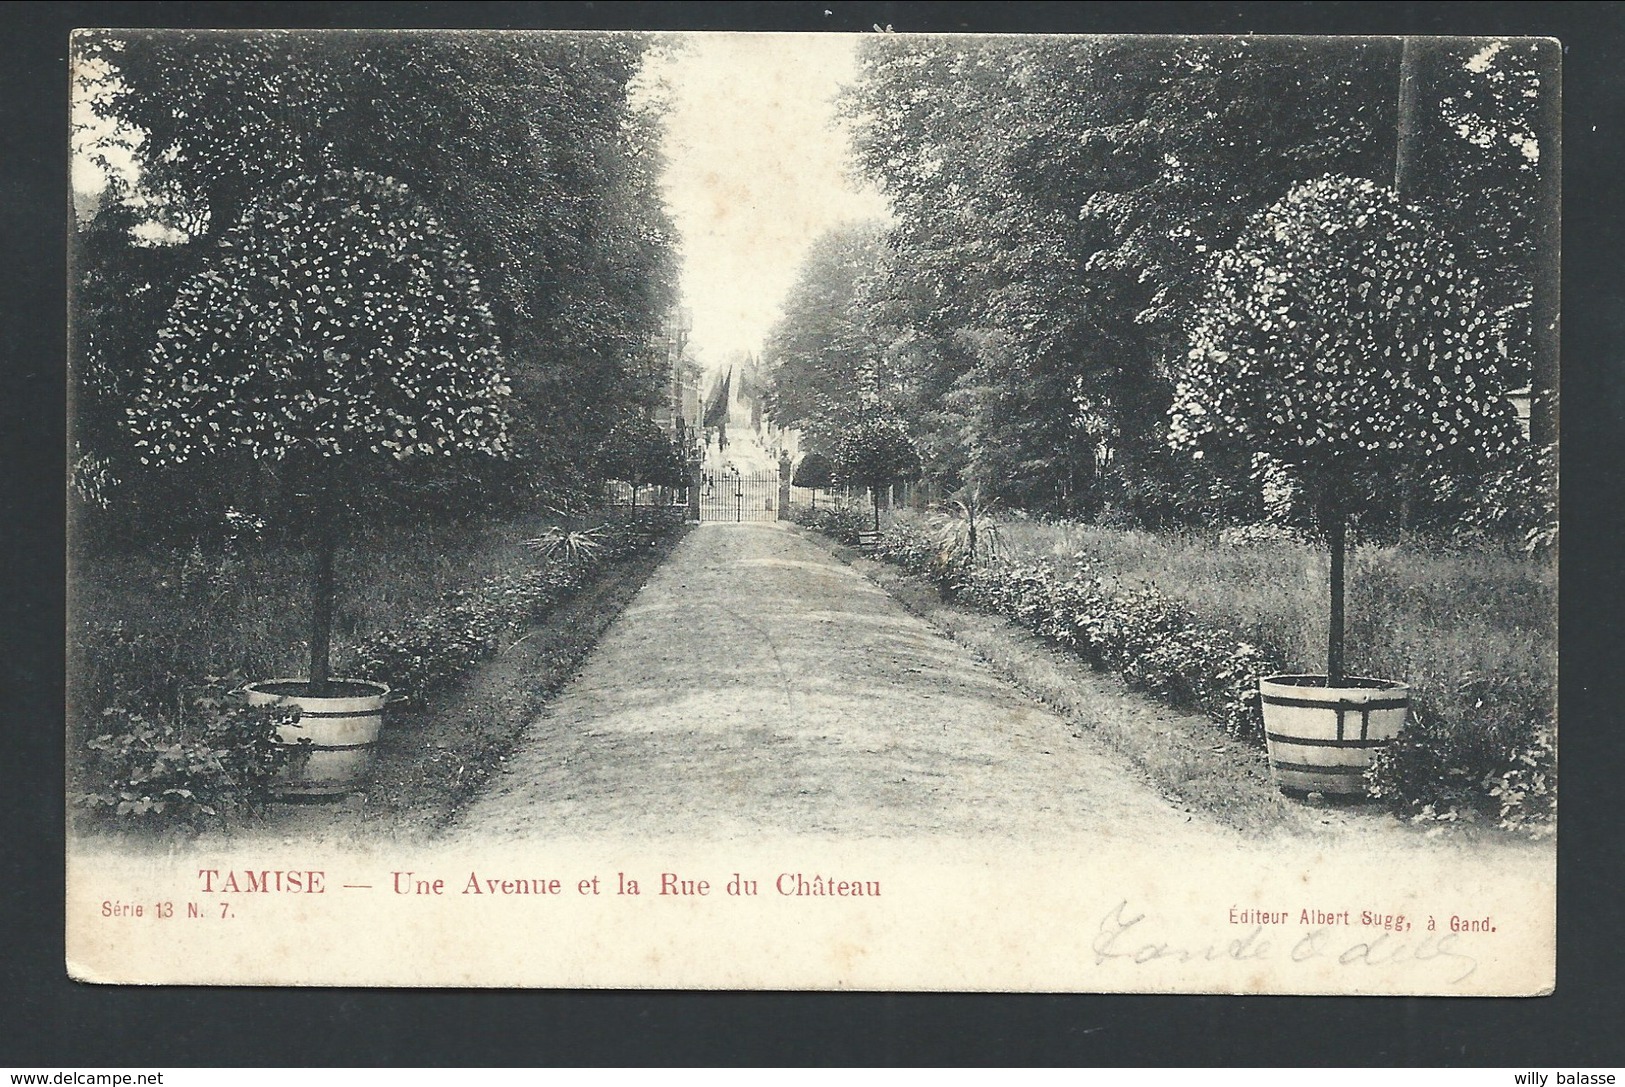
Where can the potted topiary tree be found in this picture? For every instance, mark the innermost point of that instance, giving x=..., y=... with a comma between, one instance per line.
x=1340, y=340
x=813, y=471
x=875, y=452
x=637, y=452
x=338, y=330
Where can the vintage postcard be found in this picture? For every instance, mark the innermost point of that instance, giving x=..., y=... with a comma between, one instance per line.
x=771, y=511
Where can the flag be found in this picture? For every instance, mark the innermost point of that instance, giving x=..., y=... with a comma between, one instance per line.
x=717, y=404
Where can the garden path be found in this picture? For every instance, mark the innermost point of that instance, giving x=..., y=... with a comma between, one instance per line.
x=757, y=684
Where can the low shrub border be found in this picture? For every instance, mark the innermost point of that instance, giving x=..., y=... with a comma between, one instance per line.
x=422, y=656
x=194, y=754
x=837, y=522
x=437, y=756
x=1500, y=769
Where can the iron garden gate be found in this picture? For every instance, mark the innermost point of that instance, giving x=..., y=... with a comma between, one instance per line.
x=738, y=497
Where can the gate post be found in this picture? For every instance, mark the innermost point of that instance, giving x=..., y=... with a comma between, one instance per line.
x=784, y=488
x=694, y=491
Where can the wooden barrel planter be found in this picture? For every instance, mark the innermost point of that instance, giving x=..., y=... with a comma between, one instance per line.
x=1321, y=739
x=342, y=728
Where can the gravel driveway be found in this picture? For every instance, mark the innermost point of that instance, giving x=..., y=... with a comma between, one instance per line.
x=759, y=685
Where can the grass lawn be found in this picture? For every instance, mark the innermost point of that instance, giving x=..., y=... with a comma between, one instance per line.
x=136, y=614
x=1452, y=623
x=152, y=624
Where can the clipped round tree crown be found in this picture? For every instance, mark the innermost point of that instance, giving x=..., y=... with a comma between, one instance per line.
x=1341, y=339
x=638, y=451
x=813, y=470
x=336, y=319
x=876, y=452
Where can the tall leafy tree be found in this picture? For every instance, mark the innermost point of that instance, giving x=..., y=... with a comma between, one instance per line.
x=1059, y=206
x=1065, y=199
x=822, y=355
x=1483, y=160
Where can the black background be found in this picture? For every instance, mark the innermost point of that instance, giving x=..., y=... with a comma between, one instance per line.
x=51, y=1022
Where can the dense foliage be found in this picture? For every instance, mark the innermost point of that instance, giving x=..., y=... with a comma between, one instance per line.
x=1502, y=769
x=534, y=152
x=821, y=354
x=1058, y=211
x=336, y=319
x=1056, y=206
x=1341, y=339
x=202, y=756
x=1487, y=173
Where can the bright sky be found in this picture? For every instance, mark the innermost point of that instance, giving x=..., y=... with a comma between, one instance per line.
x=756, y=171
x=87, y=176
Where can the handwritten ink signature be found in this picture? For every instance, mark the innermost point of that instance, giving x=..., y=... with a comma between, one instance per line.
x=1127, y=937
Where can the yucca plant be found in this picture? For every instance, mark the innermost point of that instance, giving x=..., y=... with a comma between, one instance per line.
x=574, y=547
x=966, y=536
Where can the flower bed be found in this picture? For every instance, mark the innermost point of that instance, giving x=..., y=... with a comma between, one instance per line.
x=1499, y=765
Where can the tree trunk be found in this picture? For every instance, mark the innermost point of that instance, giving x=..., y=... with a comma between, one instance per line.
x=1407, y=141
x=1408, y=147
x=874, y=492
x=325, y=540
x=1546, y=307
x=1337, y=531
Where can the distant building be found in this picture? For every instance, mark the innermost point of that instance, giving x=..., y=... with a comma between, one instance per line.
x=736, y=403
x=679, y=412
x=752, y=385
